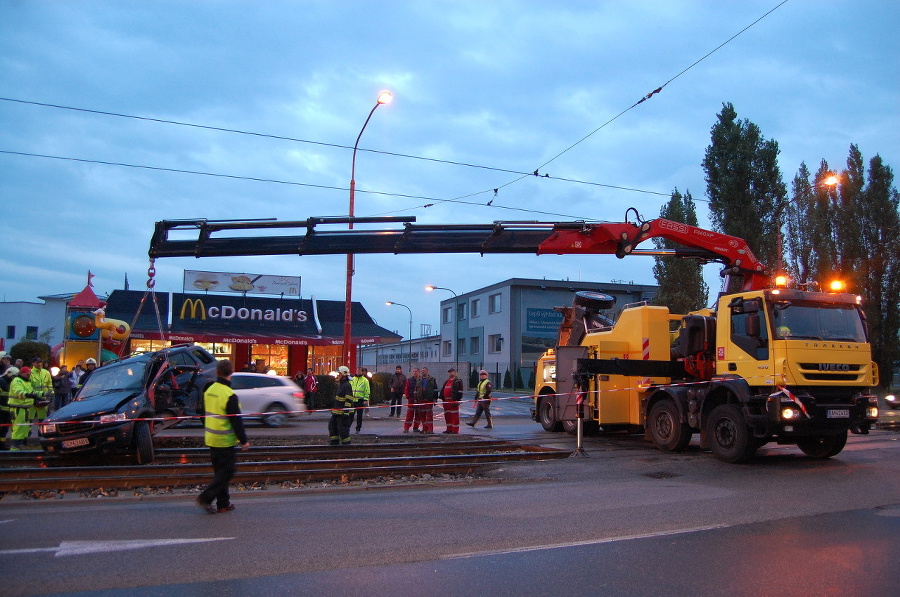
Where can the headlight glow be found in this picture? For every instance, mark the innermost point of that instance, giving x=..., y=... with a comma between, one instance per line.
x=112, y=418
x=789, y=413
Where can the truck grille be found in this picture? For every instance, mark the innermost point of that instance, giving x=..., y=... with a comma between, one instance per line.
x=830, y=371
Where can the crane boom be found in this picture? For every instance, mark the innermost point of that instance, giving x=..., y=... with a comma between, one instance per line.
x=217, y=238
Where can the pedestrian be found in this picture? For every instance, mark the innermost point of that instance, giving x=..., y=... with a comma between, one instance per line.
x=361, y=391
x=248, y=367
x=413, y=418
x=42, y=385
x=4, y=362
x=90, y=366
x=426, y=397
x=5, y=418
x=62, y=388
x=397, y=386
x=339, y=425
x=483, y=398
x=310, y=387
x=75, y=376
x=21, y=404
x=224, y=429
x=451, y=394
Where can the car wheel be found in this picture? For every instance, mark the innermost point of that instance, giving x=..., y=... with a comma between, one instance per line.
x=729, y=435
x=824, y=446
x=276, y=415
x=143, y=443
x=668, y=432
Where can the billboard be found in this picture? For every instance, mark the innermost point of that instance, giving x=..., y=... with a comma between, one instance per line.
x=241, y=283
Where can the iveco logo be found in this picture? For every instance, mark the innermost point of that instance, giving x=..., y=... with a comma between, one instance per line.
x=833, y=367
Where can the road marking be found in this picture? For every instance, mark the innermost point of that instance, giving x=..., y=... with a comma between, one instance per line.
x=473, y=554
x=77, y=548
x=5, y=521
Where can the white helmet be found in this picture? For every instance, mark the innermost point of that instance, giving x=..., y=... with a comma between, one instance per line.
x=91, y=361
x=11, y=371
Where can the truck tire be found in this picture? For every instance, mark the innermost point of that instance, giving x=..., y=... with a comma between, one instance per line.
x=143, y=443
x=593, y=300
x=668, y=432
x=824, y=446
x=570, y=427
x=729, y=436
x=547, y=415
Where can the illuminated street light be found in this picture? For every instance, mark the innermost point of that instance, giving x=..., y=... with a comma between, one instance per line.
x=383, y=98
x=429, y=288
x=410, y=330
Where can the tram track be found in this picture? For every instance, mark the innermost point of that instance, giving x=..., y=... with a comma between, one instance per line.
x=271, y=464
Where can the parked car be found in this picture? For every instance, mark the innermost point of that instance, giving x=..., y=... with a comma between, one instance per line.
x=125, y=402
x=270, y=398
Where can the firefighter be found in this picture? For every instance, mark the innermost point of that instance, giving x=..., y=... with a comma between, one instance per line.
x=5, y=379
x=21, y=404
x=361, y=391
x=42, y=385
x=341, y=410
x=483, y=398
x=224, y=430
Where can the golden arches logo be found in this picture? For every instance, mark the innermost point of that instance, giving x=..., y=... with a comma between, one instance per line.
x=195, y=305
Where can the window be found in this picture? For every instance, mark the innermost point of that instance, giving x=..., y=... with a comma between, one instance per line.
x=461, y=343
x=460, y=311
x=10, y=332
x=474, y=345
x=494, y=303
x=31, y=332
x=447, y=315
x=495, y=343
x=448, y=348
x=474, y=307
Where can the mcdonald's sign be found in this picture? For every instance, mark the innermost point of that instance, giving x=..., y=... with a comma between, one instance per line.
x=196, y=306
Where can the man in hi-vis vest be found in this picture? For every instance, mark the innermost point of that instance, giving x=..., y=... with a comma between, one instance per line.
x=224, y=430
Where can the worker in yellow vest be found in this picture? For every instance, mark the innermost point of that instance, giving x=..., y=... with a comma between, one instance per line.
x=21, y=404
x=224, y=431
x=5, y=418
x=42, y=385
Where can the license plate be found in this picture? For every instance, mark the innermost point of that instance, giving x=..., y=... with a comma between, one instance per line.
x=74, y=443
x=839, y=413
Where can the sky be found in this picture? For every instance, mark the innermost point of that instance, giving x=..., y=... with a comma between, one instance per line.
x=483, y=91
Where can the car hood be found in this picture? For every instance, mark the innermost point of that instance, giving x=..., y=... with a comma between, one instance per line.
x=102, y=404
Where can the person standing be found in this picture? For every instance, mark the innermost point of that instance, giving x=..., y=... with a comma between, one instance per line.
x=75, y=376
x=62, y=387
x=451, y=394
x=339, y=425
x=361, y=391
x=90, y=366
x=310, y=387
x=425, y=399
x=4, y=362
x=5, y=419
x=398, y=385
x=412, y=417
x=224, y=429
x=21, y=404
x=483, y=398
x=42, y=385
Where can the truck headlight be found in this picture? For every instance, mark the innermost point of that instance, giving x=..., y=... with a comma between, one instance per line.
x=112, y=418
x=789, y=413
x=48, y=428
x=872, y=412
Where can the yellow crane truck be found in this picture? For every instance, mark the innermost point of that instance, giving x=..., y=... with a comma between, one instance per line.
x=768, y=364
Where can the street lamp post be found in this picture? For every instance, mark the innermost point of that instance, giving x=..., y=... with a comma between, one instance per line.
x=429, y=288
x=410, y=330
x=383, y=98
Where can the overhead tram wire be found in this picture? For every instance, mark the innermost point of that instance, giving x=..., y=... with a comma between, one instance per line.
x=637, y=103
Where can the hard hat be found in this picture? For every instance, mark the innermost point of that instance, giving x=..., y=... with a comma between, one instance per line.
x=344, y=369
x=91, y=361
x=12, y=371
x=482, y=372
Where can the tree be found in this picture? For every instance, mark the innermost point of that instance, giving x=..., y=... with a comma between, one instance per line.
x=681, y=285
x=744, y=184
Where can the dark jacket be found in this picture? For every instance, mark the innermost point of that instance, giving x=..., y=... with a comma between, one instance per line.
x=426, y=391
x=456, y=393
x=398, y=383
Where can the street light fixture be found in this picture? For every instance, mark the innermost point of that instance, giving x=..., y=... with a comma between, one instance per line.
x=410, y=329
x=429, y=288
x=383, y=98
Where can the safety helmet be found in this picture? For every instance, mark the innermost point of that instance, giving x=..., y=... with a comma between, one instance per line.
x=12, y=371
x=91, y=361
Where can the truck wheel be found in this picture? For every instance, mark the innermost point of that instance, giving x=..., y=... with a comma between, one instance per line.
x=593, y=300
x=547, y=415
x=668, y=432
x=729, y=435
x=824, y=446
x=143, y=444
x=570, y=427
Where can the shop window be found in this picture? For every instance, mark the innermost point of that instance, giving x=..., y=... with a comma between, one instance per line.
x=148, y=345
x=270, y=357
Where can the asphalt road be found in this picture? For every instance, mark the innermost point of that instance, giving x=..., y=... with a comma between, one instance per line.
x=627, y=520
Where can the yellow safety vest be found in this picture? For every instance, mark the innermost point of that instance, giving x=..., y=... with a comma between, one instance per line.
x=219, y=432
x=482, y=388
x=17, y=390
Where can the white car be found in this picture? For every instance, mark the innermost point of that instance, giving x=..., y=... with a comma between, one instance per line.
x=271, y=398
